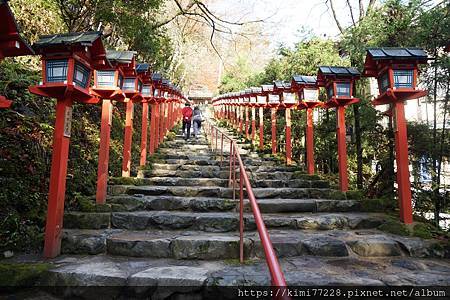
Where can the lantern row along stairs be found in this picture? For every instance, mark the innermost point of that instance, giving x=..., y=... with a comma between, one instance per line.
x=178, y=226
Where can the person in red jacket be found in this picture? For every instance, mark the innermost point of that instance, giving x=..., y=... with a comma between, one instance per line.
x=187, y=118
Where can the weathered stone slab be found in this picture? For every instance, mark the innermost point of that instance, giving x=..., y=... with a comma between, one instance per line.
x=325, y=246
x=78, y=220
x=375, y=246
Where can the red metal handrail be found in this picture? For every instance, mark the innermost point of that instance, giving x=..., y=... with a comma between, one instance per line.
x=276, y=273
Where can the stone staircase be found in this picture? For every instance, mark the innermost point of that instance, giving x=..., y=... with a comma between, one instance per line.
x=179, y=226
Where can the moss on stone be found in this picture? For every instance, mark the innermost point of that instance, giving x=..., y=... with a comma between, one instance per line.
x=354, y=195
x=126, y=181
x=236, y=262
x=20, y=274
x=423, y=231
x=337, y=195
x=394, y=227
x=378, y=205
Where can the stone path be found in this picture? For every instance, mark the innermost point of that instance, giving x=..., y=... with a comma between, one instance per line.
x=179, y=227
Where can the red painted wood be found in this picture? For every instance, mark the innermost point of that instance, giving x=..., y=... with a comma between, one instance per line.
x=246, y=123
x=261, y=128
x=103, y=156
x=58, y=173
x=342, y=148
x=127, y=140
x=253, y=124
x=273, y=114
x=401, y=155
x=143, y=158
x=288, y=136
x=309, y=141
x=152, y=128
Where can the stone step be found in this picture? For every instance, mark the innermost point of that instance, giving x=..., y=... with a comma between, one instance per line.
x=194, y=172
x=219, y=221
x=305, y=205
x=201, y=204
x=205, y=204
x=222, y=192
x=198, y=279
x=180, y=181
x=198, y=245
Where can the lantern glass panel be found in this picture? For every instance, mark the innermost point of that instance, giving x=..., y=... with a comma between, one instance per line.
x=146, y=89
x=81, y=75
x=246, y=99
x=155, y=92
x=105, y=78
x=56, y=70
x=261, y=99
x=274, y=98
x=311, y=94
x=120, y=81
x=330, y=92
x=129, y=84
x=139, y=86
x=241, y=100
x=383, y=82
x=343, y=89
x=403, y=78
x=253, y=99
x=289, y=98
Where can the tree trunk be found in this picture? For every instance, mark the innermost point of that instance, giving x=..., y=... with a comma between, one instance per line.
x=359, y=157
x=437, y=206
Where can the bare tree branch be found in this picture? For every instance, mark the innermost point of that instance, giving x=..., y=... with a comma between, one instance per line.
x=361, y=10
x=351, y=12
x=333, y=11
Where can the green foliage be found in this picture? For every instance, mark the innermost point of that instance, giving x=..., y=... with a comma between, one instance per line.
x=395, y=227
x=423, y=231
x=379, y=204
x=18, y=274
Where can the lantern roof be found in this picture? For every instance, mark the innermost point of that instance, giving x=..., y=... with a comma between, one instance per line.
x=157, y=77
x=82, y=38
x=142, y=68
x=339, y=71
x=256, y=89
x=56, y=43
x=9, y=33
x=267, y=87
x=121, y=57
x=305, y=80
x=397, y=53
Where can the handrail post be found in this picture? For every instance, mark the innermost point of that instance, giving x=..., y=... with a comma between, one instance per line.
x=231, y=165
x=221, y=149
x=241, y=216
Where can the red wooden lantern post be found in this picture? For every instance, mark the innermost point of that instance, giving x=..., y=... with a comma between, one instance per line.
x=154, y=123
x=11, y=43
x=261, y=103
x=235, y=105
x=67, y=63
x=339, y=82
x=241, y=111
x=273, y=101
x=287, y=97
x=396, y=70
x=132, y=87
x=107, y=87
x=308, y=94
x=246, y=96
x=146, y=92
x=253, y=105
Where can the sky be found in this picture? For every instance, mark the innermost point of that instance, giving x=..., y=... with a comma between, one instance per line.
x=284, y=19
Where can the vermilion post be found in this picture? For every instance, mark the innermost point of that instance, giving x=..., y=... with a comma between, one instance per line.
x=253, y=124
x=152, y=128
x=162, y=121
x=241, y=118
x=401, y=151
x=126, y=163
x=342, y=148
x=55, y=209
x=246, y=123
x=261, y=128
x=103, y=156
x=143, y=158
x=273, y=114
x=288, y=136
x=309, y=141
x=156, y=132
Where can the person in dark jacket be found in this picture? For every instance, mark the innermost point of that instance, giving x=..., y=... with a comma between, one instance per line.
x=197, y=120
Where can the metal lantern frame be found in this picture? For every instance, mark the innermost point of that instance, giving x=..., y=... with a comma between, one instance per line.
x=268, y=92
x=301, y=83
